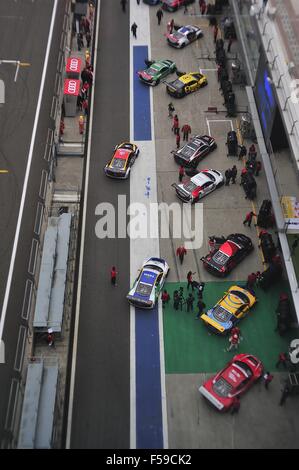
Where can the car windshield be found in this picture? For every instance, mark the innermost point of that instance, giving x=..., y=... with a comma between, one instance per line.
x=244, y=367
x=177, y=35
x=188, y=150
x=156, y=268
x=151, y=71
x=178, y=84
x=241, y=296
x=144, y=289
x=220, y=258
x=118, y=163
x=190, y=186
x=222, y=387
x=220, y=314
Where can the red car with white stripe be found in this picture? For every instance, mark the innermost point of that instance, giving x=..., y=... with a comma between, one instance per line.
x=233, y=381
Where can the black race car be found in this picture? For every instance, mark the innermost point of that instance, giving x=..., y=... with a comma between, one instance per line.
x=195, y=150
x=221, y=262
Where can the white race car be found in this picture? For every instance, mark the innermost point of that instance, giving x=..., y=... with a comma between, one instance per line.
x=149, y=283
x=203, y=183
x=183, y=36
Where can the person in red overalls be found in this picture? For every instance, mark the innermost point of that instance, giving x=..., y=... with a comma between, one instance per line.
x=189, y=279
x=165, y=298
x=178, y=139
x=248, y=218
x=186, y=129
x=181, y=173
x=175, y=124
x=181, y=252
x=113, y=274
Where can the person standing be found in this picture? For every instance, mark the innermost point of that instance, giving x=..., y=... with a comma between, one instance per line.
x=181, y=297
x=228, y=176
x=285, y=393
x=190, y=300
x=243, y=152
x=165, y=298
x=50, y=338
x=267, y=379
x=113, y=274
x=189, y=279
x=181, y=173
x=88, y=39
x=175, y=124
x=185, y=3
x=159, y=15
x=176, y=300
x=123, y=5
x=170, y=110
x=178, y=139
x=234, y=173
x=134, y=29
x=294, y=245
x=85, y=106
x=251, y=281
x=138, y=2
x=200, y=306
x=186, y=129
x=181, y=252
x=235, y=405
x=203, y=8
x=236, y=331
x=282, y=359
x=248, y=218
x=171, y=26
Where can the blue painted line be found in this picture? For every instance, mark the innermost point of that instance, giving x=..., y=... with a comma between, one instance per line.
x=142, y=108
x=149, y=426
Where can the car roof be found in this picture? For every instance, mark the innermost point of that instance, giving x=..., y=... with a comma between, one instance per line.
x=234, y=375
x=186, y=78
x=148, y=276
x=186, y=29
x=229, y=248
x=122, y=153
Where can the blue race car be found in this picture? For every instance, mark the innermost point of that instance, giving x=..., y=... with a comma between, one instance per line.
x=149, y=283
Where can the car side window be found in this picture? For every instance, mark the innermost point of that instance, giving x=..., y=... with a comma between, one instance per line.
x=207, y=184
x=159, y=278
x=163, y=69
x=190, y=36
x=240, y=310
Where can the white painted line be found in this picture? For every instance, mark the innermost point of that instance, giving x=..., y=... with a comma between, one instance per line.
x=208, y=70
x=209, y=129
x=20, y=349
x=79, y=288
x=222, y=120
x=34, y=249
x=27, y=300
x=13, y=394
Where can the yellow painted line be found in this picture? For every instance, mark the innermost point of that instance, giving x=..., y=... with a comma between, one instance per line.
x=253, y=206
x=3, y=171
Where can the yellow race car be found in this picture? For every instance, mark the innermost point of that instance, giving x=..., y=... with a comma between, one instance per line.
x=186, y=83
x=229, y=310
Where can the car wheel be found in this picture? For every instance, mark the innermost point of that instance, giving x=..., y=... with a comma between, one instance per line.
x=220, y=184
x=157, y=81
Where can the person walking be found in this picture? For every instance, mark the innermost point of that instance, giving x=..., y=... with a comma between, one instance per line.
x=203, y=8
x=200, y=308
x=235, y=405
x=236, y=331
x=267, y=379
x=175, y=124
x=228, y=175
x=181, y=252
x=181, y=297
x=186, y=129
x=165, y=298
x=258, y=168
x=282, y=359
x=216, y=31
x=170, y=110
x=248, y=218
x=185, y=3
x=189, y=279
x=85, y=106
x=178, y=139
x=234, y=342
x=113, y=274
x=123, y=5
x=285, y=393
x=171, y=26
x=181, y=173
x=134, y=29
x=190, y=300
x=50, y=338
x=159, y=15
x=243, y=152
x=251, y=281
x=234, y=173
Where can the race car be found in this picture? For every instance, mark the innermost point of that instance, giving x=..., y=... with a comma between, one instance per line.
x=199, y=186
x=155, y=71
x=173, y=5
x=149, y=283
x=122, y=160
x=220, y=262
x=183, y=36
x=234, y=380
x=229, y=310
x=185, y=84
x=194, y=150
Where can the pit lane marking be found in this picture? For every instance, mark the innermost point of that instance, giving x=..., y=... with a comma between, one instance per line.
x=218, y=120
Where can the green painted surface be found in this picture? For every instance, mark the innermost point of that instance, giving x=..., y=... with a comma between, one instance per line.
x=191, y=348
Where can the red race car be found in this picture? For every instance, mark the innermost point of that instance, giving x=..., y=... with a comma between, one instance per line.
x=173, y=5
x=232, y=381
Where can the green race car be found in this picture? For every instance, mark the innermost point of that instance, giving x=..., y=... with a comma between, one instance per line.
x=156, y=71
